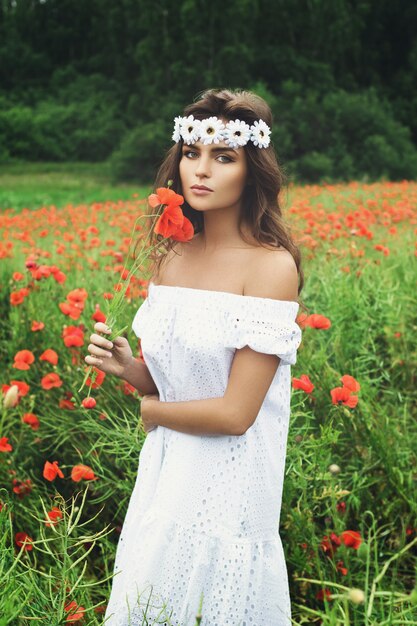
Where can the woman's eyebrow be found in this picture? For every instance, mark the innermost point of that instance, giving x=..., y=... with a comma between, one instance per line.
x=215, y=149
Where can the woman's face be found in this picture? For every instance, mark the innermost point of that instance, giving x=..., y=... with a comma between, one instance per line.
x=217, y=166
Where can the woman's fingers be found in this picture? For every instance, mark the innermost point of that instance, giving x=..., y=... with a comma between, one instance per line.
x=101, y=341
x=120, y=341
x=92, y=360
x=96, y=351
x=100, y=327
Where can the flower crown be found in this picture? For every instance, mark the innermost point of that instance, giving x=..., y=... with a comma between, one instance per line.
x=235, y=133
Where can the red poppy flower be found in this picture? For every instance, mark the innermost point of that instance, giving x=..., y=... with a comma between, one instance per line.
x=98, y=315
x=75, y=612
x=42, y=271
x=342, y=395
x=23, y=539
x=60, y=277
x=330, y=544
x=185, y=232
x=37, y=326
x=51, y=380
x=73, y=336
x=351, y=538
x=4, y=445
x=17, y=297
x=51, y=471
x=22, y=488
x=317, y=321
x=77, y=297
x=89, y=403
x=164, y=195
x=66, y=404
x=49, y=355
x=350, y=382
x=69, y=309
x=169, y=222
x=100, y=376
x=303, y=383
x=23, y=359
x=53, y=516
x=324, y=594
x=17, y=276
x=32, y=420
x=31, y=264
x=128, y=389
x=81, y=471
x=340, y=568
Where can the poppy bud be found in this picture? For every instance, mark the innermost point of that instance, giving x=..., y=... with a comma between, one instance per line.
x=89, y=403
x=356, y=596
x=363, y=552
x=11, y=397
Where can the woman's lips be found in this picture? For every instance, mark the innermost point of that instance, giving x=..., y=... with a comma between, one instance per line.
x=200, y=192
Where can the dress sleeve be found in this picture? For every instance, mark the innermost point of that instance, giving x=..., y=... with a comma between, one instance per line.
x=139, y=321
x=270, y=328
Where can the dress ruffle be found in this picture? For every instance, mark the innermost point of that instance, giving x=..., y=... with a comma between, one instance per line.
x=202, y=565
x=280, y=335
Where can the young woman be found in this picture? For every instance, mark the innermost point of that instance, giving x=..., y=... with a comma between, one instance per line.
x=218, y=337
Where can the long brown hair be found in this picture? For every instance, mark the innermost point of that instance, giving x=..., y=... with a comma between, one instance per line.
x=261, y=208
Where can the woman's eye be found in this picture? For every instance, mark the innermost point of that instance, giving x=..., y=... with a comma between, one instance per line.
x=188, y=153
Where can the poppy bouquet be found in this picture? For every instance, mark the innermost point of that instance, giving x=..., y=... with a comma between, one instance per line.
x=171, y=223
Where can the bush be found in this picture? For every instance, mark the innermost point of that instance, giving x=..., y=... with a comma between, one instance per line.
x=314, y=166
x=86, y=130
x=340, y=134
x=140, y=152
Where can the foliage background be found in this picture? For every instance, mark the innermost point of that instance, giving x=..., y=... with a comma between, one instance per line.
x=102, y=81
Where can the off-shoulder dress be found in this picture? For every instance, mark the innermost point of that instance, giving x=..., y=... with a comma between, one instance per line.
x=203, y=517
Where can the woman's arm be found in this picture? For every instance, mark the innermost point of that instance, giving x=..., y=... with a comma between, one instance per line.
x=138, y=375
x=195, y=417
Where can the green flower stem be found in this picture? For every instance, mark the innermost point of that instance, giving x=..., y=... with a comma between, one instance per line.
x=118, y=303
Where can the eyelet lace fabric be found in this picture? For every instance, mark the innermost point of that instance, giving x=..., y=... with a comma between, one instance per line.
x=203, y=518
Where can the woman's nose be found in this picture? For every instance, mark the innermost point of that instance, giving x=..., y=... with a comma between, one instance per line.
x=203, y=167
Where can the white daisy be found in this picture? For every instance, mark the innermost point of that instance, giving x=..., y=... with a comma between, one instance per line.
x=237, y=133
x=190, y=129
x=211, y=130
x=260, y=134
x=176, y=135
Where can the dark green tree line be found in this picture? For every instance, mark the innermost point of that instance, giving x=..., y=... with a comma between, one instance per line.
x=102, y=79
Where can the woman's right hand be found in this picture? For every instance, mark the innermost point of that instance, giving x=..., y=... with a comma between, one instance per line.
x=109, y=359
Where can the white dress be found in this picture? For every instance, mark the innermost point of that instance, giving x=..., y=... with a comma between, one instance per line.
x=204, y=512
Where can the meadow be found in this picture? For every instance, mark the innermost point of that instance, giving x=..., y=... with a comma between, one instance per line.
x=349, y=513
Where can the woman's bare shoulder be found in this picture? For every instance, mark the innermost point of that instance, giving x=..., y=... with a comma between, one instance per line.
x=175, y=250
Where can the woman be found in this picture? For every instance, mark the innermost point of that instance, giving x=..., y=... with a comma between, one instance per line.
x=218, y=337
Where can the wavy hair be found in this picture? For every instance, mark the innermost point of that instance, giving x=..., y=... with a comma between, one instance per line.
x=261, y=208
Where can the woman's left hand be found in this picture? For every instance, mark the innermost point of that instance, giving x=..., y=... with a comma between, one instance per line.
x=147, y=407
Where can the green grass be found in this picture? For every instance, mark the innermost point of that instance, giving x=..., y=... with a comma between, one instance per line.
x=33, y=185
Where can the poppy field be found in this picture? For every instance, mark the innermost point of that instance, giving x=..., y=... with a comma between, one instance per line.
x=67, y=467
